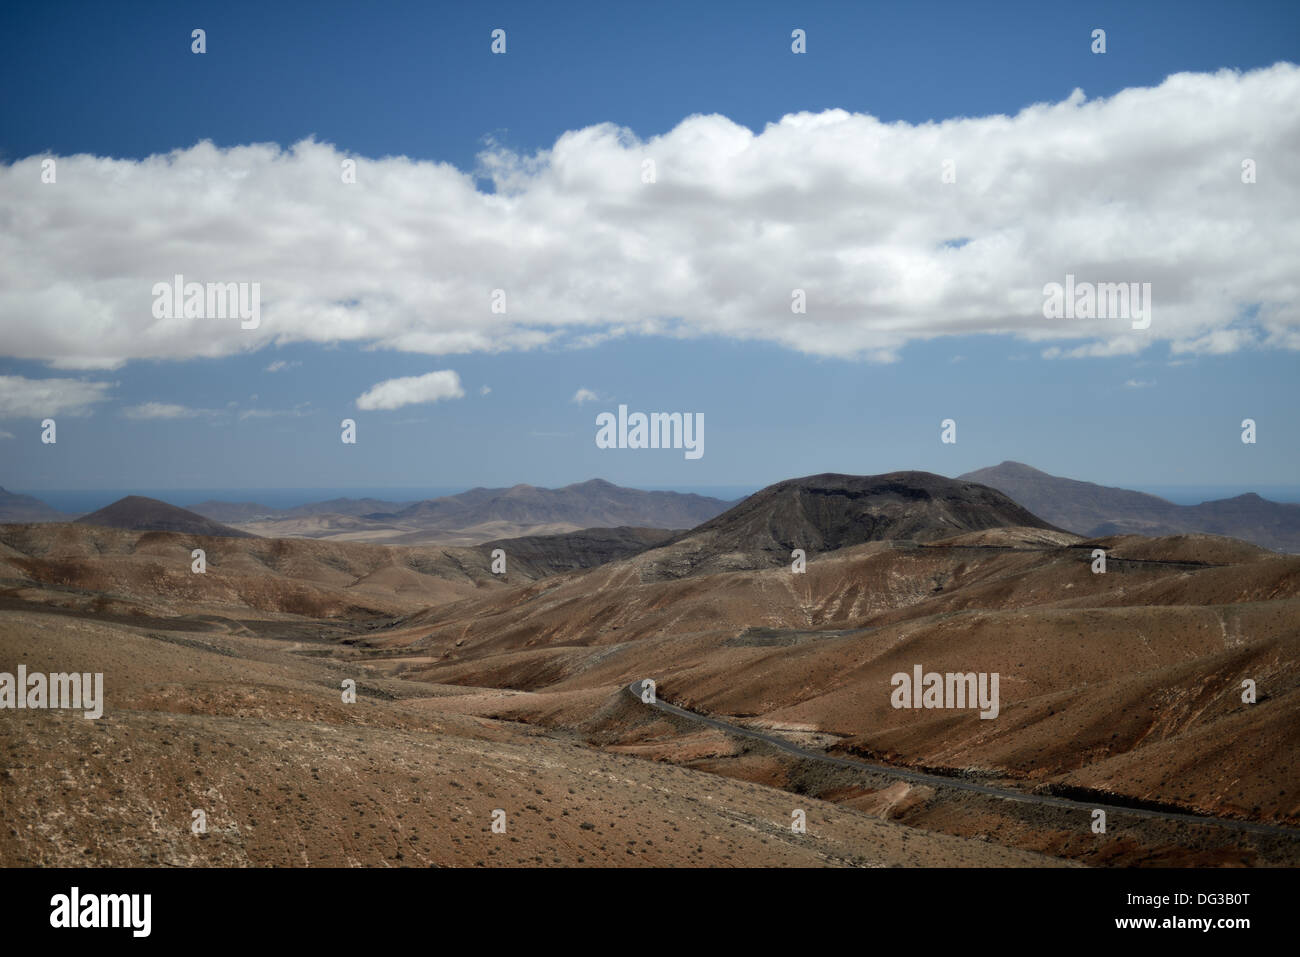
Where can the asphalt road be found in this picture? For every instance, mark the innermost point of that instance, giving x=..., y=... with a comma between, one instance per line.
x=1113, y=812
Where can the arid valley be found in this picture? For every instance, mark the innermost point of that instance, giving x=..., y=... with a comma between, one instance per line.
x=497, y=718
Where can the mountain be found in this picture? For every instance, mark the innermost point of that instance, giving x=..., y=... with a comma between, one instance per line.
x=1119, y=688
x=541, y=555
x=138, y=513
x=1097, y=510
x=592, y=504
x=480, y=515
x=821, y=513
x=20, y=509
x=237, y=512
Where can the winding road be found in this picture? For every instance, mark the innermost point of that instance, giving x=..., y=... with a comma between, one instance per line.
x=935, y=780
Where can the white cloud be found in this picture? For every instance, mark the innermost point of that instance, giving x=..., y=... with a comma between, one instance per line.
x=6, y=435
x=1102, y=348
x=297, y=412
x=22, y=398
x=1139, y=384
x=485, y=390
x=584, y=395
x=280, y=364
x=160, y=410
x=409, y=390
x=1215, y=342
x=848, y=208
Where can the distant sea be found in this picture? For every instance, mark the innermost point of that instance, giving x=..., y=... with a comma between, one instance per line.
x=1196, y=494
x=81, y=501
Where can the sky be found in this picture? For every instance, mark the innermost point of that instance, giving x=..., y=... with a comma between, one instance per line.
x=472, y=255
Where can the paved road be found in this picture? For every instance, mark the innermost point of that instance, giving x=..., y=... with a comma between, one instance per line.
x=935, y=780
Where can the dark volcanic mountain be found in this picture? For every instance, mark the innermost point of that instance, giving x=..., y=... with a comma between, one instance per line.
x=592, y=504
x=541, y=555
x=348, y=506
x=254, y=512
x=1097, y=510
x=22, y=509
x=822, y=513
x=150, y=515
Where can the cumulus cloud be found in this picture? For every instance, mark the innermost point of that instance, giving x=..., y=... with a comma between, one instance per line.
x=584, y=395
x=297, y=412
x=410, y=390
x=1138, y=384
x=160, y=410
x=280, y=365
x=1144, y=186
x=22, y=398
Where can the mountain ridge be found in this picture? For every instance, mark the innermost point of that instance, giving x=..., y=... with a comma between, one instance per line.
x=1098, y=510
x=16, y=508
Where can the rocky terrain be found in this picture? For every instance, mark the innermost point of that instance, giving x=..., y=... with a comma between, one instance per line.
x=477, y=692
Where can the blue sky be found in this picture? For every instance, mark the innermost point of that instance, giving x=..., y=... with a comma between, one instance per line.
x=417, y=81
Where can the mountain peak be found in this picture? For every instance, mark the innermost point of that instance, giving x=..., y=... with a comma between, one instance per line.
x=138, y=513
x=831, y=511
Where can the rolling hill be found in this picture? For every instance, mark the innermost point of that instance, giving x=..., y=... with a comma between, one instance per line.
x=1123, y=687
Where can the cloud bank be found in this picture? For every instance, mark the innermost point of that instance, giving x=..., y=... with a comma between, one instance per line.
x=149, y=411
x=1145, y=186
x=22, y=398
